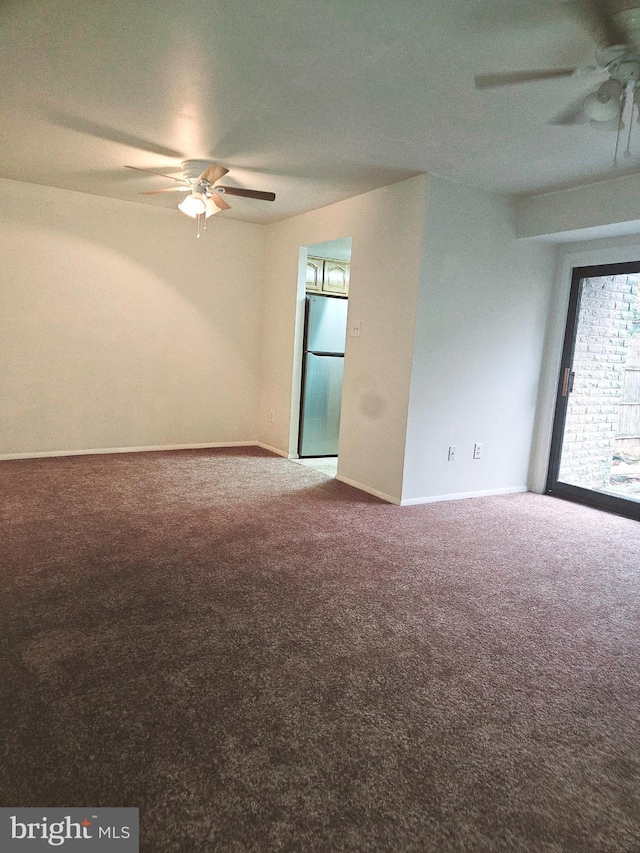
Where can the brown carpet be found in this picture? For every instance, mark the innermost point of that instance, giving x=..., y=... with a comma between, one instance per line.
x=263, y=659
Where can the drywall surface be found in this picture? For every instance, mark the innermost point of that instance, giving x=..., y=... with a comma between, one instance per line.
x=119, y=329
x=480, y=330
x=386, y=227
x=598, y=209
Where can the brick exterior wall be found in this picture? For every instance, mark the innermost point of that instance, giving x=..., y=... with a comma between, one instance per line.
x=604, y=329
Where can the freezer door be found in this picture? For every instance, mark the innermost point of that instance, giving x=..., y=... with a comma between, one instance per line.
x=320, y=421
x=326, y=324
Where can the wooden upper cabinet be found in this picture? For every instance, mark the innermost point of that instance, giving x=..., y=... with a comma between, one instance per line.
x=327, y=276
x=315, y=267
x=336, y=278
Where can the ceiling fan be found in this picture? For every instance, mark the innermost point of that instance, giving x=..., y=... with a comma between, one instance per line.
x=618, y=56
x=199, y=179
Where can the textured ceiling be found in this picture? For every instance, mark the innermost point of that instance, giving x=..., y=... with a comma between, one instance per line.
x=317, y=100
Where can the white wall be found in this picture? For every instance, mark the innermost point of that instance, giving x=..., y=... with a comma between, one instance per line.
x=477, y=299
x=386, y=227
x=601, y=209
x=119, y=329
x=480, y=330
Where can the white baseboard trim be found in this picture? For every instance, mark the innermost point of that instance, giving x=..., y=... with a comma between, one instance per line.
x=485, y=493
x=388, y=498
x=105, y=450
x=270, y=448
x=509, y=490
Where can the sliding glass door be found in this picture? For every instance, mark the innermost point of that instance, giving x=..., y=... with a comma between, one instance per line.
x=595, y=451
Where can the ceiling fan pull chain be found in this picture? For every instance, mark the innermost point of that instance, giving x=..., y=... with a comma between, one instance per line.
x=634, y=107
x=627, y=153
x=623, y=102
x=198, y=234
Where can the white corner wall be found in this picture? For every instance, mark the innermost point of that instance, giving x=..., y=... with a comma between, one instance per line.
x=386, y=227
x=480, y=331
x=118, y=329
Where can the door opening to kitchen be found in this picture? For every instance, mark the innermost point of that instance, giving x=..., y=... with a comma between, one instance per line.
x=595, y=449
x=325, y=332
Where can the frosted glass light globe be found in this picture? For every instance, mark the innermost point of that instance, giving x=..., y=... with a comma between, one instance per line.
x=193, y=205
x=604, y=105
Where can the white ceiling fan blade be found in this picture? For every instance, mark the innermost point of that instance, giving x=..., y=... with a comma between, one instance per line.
x=512, y=78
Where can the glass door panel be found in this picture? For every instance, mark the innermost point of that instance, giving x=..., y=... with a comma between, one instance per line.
x=595, y=456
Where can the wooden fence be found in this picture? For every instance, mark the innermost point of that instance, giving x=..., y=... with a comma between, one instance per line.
x=630, y=405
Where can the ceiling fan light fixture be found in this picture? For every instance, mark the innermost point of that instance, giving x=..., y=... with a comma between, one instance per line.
x=193, y=205
x=611, y=89
x=604, y=105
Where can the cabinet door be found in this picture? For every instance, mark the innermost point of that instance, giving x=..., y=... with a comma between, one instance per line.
x=314, y=275
x=336, y=278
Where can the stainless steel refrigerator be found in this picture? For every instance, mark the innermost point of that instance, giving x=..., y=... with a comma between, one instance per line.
x=323, y=365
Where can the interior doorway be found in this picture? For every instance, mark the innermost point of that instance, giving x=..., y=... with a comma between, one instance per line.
x=323, y=353
x=595, y=449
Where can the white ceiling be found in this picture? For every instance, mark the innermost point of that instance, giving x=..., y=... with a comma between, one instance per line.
x=316, y=100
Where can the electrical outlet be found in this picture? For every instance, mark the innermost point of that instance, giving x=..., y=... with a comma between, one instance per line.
x=272, y=416
x=355, y=329
x=477, y=450
x=452, y=453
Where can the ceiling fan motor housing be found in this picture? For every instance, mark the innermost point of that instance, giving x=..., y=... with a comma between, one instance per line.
x=192, y=169
x=626, y=69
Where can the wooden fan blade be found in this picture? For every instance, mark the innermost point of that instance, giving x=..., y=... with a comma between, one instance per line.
x=153, y=172
x=491, y=81
x=264, y=196
x=168, y=190
x=219, y=202
x=213, y=173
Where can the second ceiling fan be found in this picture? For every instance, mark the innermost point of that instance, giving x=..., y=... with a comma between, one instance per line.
x=618, y=56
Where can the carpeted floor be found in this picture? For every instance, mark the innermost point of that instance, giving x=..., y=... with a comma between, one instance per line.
x=264, y=659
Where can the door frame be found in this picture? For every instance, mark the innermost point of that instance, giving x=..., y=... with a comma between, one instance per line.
x=589, y=497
